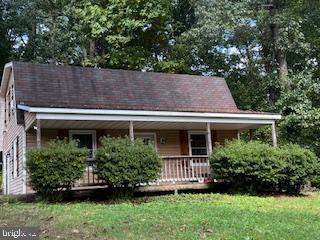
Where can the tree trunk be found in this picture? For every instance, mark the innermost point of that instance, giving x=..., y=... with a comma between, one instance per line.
x=279, y=52
x=53, y=59
x=92, y=49
x=281, y=56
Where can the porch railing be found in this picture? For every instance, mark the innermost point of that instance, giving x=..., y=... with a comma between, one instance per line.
x=182, y=168
x=174, y=169
x=89, y=177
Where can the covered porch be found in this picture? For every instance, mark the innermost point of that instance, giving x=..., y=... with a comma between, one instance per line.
x=183, y=140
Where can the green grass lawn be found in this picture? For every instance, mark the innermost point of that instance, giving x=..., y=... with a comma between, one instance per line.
x=202, y=216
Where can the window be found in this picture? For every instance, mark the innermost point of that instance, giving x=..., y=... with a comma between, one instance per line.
x=15, y=158
x=8, y=111
x=147, y=138
x=12, y=104
x=12, y=161
x=198, y=143
x=86, y=139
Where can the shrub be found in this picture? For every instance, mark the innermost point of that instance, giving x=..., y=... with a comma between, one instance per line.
x=301, y=167
x=122, y=163
x=54, y=168
x=315, y=181
x=258, y=166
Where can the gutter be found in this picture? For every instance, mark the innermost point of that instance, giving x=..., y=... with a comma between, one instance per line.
x=142, y=113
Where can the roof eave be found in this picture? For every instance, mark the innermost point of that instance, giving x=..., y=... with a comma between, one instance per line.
x=5, y=78
x=143, y=113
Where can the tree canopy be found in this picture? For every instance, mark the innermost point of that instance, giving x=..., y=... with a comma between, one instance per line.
x=268, y=50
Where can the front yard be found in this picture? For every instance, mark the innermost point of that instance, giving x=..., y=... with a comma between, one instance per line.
x=202, y=216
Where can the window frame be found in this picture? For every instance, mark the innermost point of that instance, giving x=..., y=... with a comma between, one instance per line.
x=93, y=133
x=139, y=134
x=15, y=155
x=189, y=141
x=12, y=106
x=7, y=107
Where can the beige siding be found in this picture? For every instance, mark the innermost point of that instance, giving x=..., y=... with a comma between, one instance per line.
x=12, y=131
x=29, y=119
x=226, y=135
x=46, y=136
x=171, y=147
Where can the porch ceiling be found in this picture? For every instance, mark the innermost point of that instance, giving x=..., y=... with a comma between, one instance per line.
x=76, y=124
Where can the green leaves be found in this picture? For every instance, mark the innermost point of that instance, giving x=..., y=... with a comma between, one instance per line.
x=118, y=26
x=55, y=167
x=258, y=166
x=122, y=163
x=299, y=103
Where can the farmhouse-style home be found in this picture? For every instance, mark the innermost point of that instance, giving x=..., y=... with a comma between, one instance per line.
x=183, y=116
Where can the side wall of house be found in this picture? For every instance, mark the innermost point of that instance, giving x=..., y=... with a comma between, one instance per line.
x=1, y=122
x=13, y=154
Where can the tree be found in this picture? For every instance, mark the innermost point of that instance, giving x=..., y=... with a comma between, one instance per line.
x=122, y=34
x=251, y=43
x=299, y=103
x=5, y=44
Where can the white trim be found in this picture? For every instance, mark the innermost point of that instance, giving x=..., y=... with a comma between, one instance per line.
x=8, y=171
x=80, y=117
x=262, y=116
x=4, y=173
x=191, y=132
x=24, y=160
x=94, y=138
x=131, y=131
x=136, y=134
x=209, y=140
x=14, y=157
x=274, y=135
x=5, y=78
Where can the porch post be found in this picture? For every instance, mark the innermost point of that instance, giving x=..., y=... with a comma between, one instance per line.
x=131, y=134
x=238, y=135
x=274, y=134
x=38, y=134
x=250, y=134
x=209, y=138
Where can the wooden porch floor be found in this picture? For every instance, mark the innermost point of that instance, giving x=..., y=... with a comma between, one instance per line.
x=161, y=187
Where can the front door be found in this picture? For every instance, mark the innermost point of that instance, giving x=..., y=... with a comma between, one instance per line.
x=198, y=144
x=85, y=139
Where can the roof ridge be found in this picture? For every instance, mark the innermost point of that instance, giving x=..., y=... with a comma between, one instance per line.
x=117, y=70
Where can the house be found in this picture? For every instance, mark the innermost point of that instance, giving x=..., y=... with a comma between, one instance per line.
x=184, y=116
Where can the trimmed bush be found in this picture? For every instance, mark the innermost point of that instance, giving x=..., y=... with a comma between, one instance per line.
x=122, y=163
x=301, y=167
x=55, y=168
x=257, y=166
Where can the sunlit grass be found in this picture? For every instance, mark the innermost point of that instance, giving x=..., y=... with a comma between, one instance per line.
x=202, y=216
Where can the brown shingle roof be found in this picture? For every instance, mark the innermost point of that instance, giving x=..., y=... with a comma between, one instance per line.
x=42, y=85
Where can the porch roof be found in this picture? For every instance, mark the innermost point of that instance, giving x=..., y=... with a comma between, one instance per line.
x=118, y=119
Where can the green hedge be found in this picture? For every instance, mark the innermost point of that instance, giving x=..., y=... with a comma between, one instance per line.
x=55, y=168
x=258, y=166
x=121, y=162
